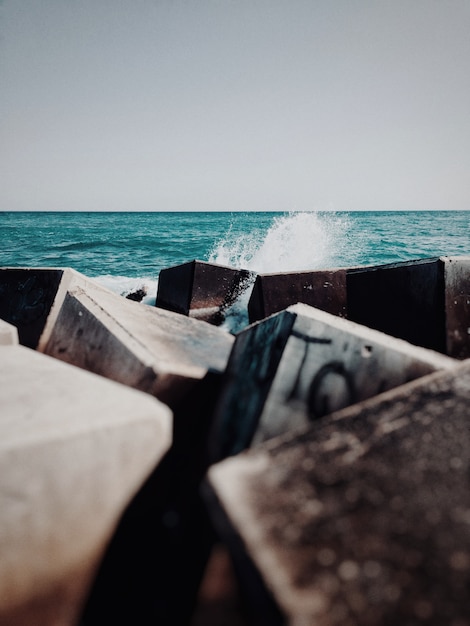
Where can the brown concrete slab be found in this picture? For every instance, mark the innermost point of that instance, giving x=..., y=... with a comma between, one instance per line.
x=303, y=363
x=324, y=289
x=200, y=289
x=74, y=450
x=8, y=334
x=457, y=306
x=424, y=302
x=364, y=517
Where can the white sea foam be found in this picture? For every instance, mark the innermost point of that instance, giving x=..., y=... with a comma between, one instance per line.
x=295, y=242
x=123, y=285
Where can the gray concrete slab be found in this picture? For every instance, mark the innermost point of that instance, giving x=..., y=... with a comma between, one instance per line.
x=303, y=363
x=8, y=334
x=74, y=450
x=362, y=518
x=201, y=290
x=78, y=321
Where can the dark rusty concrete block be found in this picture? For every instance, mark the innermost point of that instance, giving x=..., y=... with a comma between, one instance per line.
x=364, y=517
x=405, y=300
x=303, y=363
x=324, y=289
x=26, y=297
x=457, y=306
x=201, y=290
x=425, y=302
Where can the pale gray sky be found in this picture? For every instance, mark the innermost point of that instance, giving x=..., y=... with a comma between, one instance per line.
x=234, y=104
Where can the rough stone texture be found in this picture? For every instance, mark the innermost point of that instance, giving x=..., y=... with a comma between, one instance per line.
x=424, y=302
x=8, y=334
x=78, y=321
x=324, y=289
x=201, y=290
x=364, y=517
x=302, y=364
x=74, y=450
x=26, y=297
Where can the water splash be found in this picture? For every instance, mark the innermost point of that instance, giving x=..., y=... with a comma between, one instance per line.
x=295, y=241
x=123, y=285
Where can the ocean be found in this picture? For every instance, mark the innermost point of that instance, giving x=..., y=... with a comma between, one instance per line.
x=126, y=251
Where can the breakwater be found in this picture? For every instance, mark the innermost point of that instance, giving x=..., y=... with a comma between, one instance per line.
x=308, y=468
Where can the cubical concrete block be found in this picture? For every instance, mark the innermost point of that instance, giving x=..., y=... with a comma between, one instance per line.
x=201, y=290
x=8, y=334
x=83, y=323
x=303, y=363
x=426, y=302
x=74, y=450
x=363, y=518
x=324, y=289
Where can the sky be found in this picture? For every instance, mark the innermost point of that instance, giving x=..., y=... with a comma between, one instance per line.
x=231, y=105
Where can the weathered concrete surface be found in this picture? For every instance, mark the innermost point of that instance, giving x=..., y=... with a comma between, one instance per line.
x=80, y=322
x=201, y=290
x=8, y=334
x=74, y=449
x=457, y=306
x=179, y=360
x=324, y=289
x=364, y=518
x=302, y=364
x=157, y=351
x=424, y=302
x=26, y=297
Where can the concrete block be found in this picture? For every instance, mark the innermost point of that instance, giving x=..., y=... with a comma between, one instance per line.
x=425, y=302
x=303, y=363
x=363, y=518
x=26, y=297
x=74, y=450
x=82, y=323
x=201, y=290
x=8, y=334
x=324, y=289
x=457, y=306
x=165, y=560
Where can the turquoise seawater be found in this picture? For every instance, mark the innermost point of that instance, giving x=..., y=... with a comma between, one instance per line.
x=125, y=250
